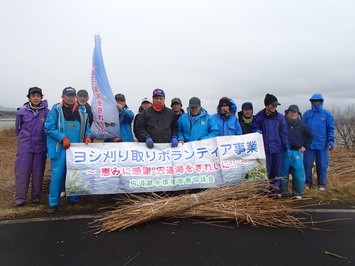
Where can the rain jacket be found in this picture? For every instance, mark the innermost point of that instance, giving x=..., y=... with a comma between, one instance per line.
x=201, y=126
x=299, y=134
x=126, y=118
x=321, y=123
x=274, y=131
x=230, y=125
x=159, y=125
x=54, y=128
x=30, y=128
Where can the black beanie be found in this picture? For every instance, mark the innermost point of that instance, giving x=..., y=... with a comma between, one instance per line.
x=269, y=99
x=224, y=101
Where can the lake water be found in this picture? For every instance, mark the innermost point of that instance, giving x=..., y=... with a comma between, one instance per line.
x=6, y=123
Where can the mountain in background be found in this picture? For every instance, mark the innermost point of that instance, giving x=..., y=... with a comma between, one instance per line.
x=7, y=109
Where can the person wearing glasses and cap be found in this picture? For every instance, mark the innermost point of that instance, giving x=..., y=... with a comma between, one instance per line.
x=145, y=104
x=196, y=124
x=176, y=106
x=273, y=127
x=66, y=123
x=31, y=147
x=321, y=123
x=158, y=123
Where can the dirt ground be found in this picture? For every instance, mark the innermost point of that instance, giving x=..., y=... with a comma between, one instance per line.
x=341, y=184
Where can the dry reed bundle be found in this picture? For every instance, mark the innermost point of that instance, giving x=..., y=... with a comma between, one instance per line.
x=256, y=210
x=240, y=203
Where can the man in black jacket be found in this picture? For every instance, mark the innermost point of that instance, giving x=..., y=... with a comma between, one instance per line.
x=82, y=97
x=300, y=137
x=157, y=124
x=245, y=117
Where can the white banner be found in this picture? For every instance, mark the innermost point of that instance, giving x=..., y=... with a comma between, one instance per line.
x=130, y=167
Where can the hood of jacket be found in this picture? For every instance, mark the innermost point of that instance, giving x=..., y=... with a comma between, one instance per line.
x=318, y=107
x=232, y=108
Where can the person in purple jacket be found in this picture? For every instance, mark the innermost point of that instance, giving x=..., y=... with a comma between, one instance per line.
x=31, y=147
x=274, y=129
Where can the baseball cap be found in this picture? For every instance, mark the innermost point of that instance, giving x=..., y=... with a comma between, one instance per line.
x=120, y=96
x=33, y=90
x=158, y=92
x=247, y=105
x=82, y=93
x=69, y=91
x=294, y=108
x=146, y=100
x=194, y=102
x=176, y=100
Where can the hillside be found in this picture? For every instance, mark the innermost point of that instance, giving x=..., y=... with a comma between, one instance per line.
x=7, y=109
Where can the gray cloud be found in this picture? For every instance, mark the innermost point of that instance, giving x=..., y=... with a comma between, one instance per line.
x=240, y=49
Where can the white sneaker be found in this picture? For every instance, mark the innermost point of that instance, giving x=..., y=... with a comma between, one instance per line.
x=62, y=194
x=322, y=189
x=306, y=186
x=297, y=197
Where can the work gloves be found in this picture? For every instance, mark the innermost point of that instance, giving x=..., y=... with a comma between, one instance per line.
x=174, y=141
x=87, y=140
x=331, y=145
x=288, y=150
x=66, y=142
x=149, y=142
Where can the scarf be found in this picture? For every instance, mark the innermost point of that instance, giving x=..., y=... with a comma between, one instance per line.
x=248, y=121
x=158, y=107
x=291, y=122
x=71, y=112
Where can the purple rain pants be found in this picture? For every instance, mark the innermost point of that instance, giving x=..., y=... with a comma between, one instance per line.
x=29, y=164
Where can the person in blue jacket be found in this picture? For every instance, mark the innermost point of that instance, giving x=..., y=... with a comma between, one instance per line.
x=321, y=123
x=196, y=123
x=66, y=123
x=227, y=122
x=300, y=137
x=126, y=118
x=273, y=127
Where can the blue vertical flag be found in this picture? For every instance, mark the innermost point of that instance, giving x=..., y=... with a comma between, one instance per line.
x=106, y=122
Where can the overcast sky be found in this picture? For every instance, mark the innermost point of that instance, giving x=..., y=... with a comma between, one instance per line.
x=242, y=49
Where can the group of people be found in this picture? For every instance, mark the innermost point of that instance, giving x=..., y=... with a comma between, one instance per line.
x=291, y=142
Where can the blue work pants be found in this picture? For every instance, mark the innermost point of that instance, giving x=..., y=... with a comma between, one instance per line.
x=293, y=165
x=321, y=158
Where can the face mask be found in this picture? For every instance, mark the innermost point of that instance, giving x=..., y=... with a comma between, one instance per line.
x=317, y=107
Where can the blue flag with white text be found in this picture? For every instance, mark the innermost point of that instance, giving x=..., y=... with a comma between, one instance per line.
x=106, y=122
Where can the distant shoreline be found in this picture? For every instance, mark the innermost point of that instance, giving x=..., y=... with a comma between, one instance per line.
x=7, y=115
